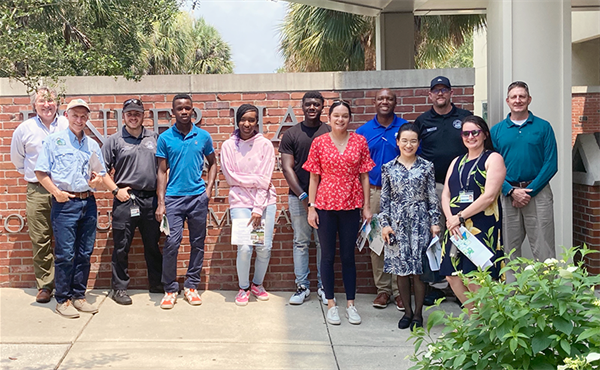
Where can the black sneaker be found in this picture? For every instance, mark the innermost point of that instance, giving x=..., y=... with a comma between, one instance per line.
x=121, y=297
x=434, y=295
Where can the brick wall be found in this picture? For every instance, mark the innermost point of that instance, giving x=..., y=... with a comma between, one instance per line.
x=219, y=270
x=586, y=199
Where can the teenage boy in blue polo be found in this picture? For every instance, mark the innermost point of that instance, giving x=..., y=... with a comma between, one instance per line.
x=183, y=195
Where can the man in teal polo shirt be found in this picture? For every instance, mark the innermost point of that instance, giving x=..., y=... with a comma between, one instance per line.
x=528, y=146
x=183, y=195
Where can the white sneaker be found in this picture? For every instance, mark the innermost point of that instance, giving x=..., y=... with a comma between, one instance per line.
x=333, y=316
x=352, y=315
x=302, y=294
x=321, y=293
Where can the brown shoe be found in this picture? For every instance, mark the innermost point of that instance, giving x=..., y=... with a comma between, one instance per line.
x=382, y=300
x=43, y=296
x=399, y=304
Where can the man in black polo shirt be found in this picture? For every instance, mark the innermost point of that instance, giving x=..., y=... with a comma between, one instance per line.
x=131, y=153
x=441, y=142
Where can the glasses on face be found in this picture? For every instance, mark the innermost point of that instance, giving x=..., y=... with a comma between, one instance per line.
x=443, y=90
x=406, y=141
x=475, y=133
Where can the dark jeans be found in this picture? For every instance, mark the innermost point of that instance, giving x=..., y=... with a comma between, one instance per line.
x=192, y=208
x=74, y=224
x=123, y=228
x=346, y=224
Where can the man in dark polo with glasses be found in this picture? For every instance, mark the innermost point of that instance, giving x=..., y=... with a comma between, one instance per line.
x=70, y=167
x=528, y=146
x=441, y=142
x=131, y=152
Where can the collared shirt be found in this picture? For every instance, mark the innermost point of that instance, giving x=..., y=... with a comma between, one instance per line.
x=133, y=158
x=382, y=144
x=67, y=160
x=441, y=139
x=185, y=159
x=27, y=140
x=529, y=152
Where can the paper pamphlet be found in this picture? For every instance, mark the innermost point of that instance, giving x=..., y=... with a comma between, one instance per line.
x=244, y=234
x=434, y=253
x=472, y=248
x=371, y=232
x=164, y=226
x=95, y=164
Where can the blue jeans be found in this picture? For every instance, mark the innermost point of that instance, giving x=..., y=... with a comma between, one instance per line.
x=263, y=252
x=74, y=224
x=192, y=208
x=302, y=236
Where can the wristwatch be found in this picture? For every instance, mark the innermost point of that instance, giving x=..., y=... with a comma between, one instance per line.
x=115, y=191
x=510, y=192
x=312, y=204
x=461, y=219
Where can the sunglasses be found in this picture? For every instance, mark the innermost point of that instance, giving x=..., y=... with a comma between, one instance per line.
x=132, y=101
x=443, y=90
x=475, y=133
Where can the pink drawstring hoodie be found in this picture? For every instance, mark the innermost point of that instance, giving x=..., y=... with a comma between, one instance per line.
x=248, y=167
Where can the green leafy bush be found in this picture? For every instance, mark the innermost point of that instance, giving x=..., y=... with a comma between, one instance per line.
x=549, y=318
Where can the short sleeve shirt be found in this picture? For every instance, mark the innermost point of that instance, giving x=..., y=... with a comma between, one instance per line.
x=133, y=158
x=185, y=159
x=67, y=160
x=340, y=187
x=296, y=141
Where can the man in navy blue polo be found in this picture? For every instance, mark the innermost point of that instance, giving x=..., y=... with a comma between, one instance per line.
x=380, y=133
x=183, y=195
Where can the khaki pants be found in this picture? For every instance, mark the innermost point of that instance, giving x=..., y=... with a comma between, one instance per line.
x=38, y=206
x=385, y=283
x=536, y=220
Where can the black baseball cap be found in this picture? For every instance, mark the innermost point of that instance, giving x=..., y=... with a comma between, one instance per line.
x=440, y=80
x=133, y=104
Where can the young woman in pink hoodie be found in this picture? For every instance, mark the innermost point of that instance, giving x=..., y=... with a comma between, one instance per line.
x=247, y=161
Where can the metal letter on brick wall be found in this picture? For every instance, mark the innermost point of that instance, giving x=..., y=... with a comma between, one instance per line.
x=107, y=227
x=213, y=217
x=18, y=217
x=283, y=123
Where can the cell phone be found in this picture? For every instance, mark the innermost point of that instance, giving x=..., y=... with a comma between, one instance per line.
x=392, y=239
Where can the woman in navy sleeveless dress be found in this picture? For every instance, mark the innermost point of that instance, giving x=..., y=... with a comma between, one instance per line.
x=471, y=197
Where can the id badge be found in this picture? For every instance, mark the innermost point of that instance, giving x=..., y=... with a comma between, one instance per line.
x=135, y=210
x=466, y=197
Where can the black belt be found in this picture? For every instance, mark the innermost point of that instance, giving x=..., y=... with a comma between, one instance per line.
x=520, y=184
x=81, y=194
x=144, y=193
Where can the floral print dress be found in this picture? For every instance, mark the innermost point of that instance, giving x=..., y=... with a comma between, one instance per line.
x=409, y=205
x=485, y=226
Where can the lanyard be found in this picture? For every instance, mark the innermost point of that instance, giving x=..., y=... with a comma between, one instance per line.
x=461, y=168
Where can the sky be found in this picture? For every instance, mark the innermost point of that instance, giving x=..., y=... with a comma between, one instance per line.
x=250, y=28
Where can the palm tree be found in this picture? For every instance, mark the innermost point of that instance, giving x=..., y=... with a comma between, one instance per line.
x=316, y=39
x=184, y=45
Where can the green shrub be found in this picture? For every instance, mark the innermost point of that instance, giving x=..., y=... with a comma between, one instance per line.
x=549, y=318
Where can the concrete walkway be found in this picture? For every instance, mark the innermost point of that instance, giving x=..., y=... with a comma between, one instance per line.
x=216, y=335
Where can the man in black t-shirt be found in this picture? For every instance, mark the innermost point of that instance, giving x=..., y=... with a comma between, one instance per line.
x=441, y=142
x=294, y=148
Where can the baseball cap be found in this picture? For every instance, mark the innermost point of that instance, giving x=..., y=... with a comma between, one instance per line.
x=133, y=104
x=78, y=103
x=440, y=80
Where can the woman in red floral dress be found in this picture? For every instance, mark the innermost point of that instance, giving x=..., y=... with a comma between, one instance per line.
x=339, y=165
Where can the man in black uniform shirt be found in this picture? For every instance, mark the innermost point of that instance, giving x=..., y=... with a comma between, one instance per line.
x=441, y=142
x=131, y=152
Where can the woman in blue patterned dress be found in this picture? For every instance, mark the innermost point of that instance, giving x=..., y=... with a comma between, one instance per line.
x=410, y=211
x=471, y=198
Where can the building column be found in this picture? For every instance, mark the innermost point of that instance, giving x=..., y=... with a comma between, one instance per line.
x=395, y=41
x=531, y=41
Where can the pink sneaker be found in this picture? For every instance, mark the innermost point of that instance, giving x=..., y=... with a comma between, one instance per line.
x=259, y=292
x=241, y=299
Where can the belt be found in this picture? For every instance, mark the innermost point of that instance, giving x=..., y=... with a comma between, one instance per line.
x=144, y=193
x=81, y=194
x=374, y=187
x=520, y=184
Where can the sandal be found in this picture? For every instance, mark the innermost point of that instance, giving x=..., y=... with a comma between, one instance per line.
x=404, y=322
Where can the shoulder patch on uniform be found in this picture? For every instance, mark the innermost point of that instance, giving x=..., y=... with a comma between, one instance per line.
x=457, y=124
x=60, y=141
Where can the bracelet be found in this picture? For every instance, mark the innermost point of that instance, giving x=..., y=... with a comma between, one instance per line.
x=303, y=196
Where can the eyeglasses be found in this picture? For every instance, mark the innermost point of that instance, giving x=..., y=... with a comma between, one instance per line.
x=475, y=133
x=406, y=141
x=443, y=90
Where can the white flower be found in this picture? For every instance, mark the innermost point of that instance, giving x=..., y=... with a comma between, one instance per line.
x=592, y=356
x=564, y=273
x=530, y=267
x=550, y=261
x=572, y=268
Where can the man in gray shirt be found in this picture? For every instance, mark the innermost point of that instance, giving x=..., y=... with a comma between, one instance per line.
x=131, y=153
